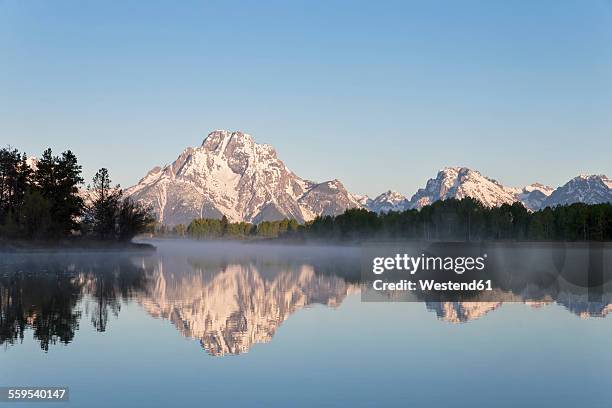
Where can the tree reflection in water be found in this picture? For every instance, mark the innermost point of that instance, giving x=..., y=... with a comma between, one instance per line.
x=44, y=293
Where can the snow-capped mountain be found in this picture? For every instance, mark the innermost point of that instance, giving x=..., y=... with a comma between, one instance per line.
x=387, y=201
x=534, y=195
x=461, y=182
x=232, y=175
x=589, y=189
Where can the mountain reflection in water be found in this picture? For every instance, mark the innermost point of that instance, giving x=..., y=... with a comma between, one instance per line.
x=228, y=296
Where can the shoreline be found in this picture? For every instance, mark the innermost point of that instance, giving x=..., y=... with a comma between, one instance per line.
x=373, y=241
x=20, y=246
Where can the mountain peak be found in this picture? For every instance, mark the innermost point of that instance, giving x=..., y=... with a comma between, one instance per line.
x=218, y=138
x=592, y=177
x=585, y=188
x=459, y=182
x=388, y=201
x=232, y=175
x=390, y=196
x=454, y=170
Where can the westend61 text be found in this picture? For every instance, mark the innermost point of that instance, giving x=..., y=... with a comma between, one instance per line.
x=429, y=285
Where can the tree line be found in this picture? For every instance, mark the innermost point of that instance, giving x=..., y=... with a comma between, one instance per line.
x=42, y=200
x=214, y=228
x=465, y=219
x=468, y=220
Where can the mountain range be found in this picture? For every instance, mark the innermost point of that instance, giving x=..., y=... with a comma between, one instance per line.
x=230, y=174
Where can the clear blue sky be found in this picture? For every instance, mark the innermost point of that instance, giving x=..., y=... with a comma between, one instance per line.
x=378, y=94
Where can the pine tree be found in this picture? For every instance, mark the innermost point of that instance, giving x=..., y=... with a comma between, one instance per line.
x=14, y=182
x=103, y=211
x=57, y=179
x=132, y=219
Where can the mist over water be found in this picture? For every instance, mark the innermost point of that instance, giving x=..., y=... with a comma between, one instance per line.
x=175, y=317
x=240, y=251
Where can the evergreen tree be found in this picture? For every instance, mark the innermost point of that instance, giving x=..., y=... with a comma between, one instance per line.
x=133, y=219
x=110, y=216
x=15, y=180
x=35, y=215
x=57, y=178
x=224, y=224
x=103, y=212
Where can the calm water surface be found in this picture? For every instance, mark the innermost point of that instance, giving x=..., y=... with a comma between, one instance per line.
x=199, y=324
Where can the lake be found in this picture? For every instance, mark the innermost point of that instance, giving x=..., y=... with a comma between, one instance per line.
x=230, y=324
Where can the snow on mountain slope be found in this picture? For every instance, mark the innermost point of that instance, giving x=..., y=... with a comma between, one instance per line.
x=534, y=195
x=589, y=189
x=461, y=182
x=388, y=201
x=231, y=175
x=328, y=198
x=363, y=200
